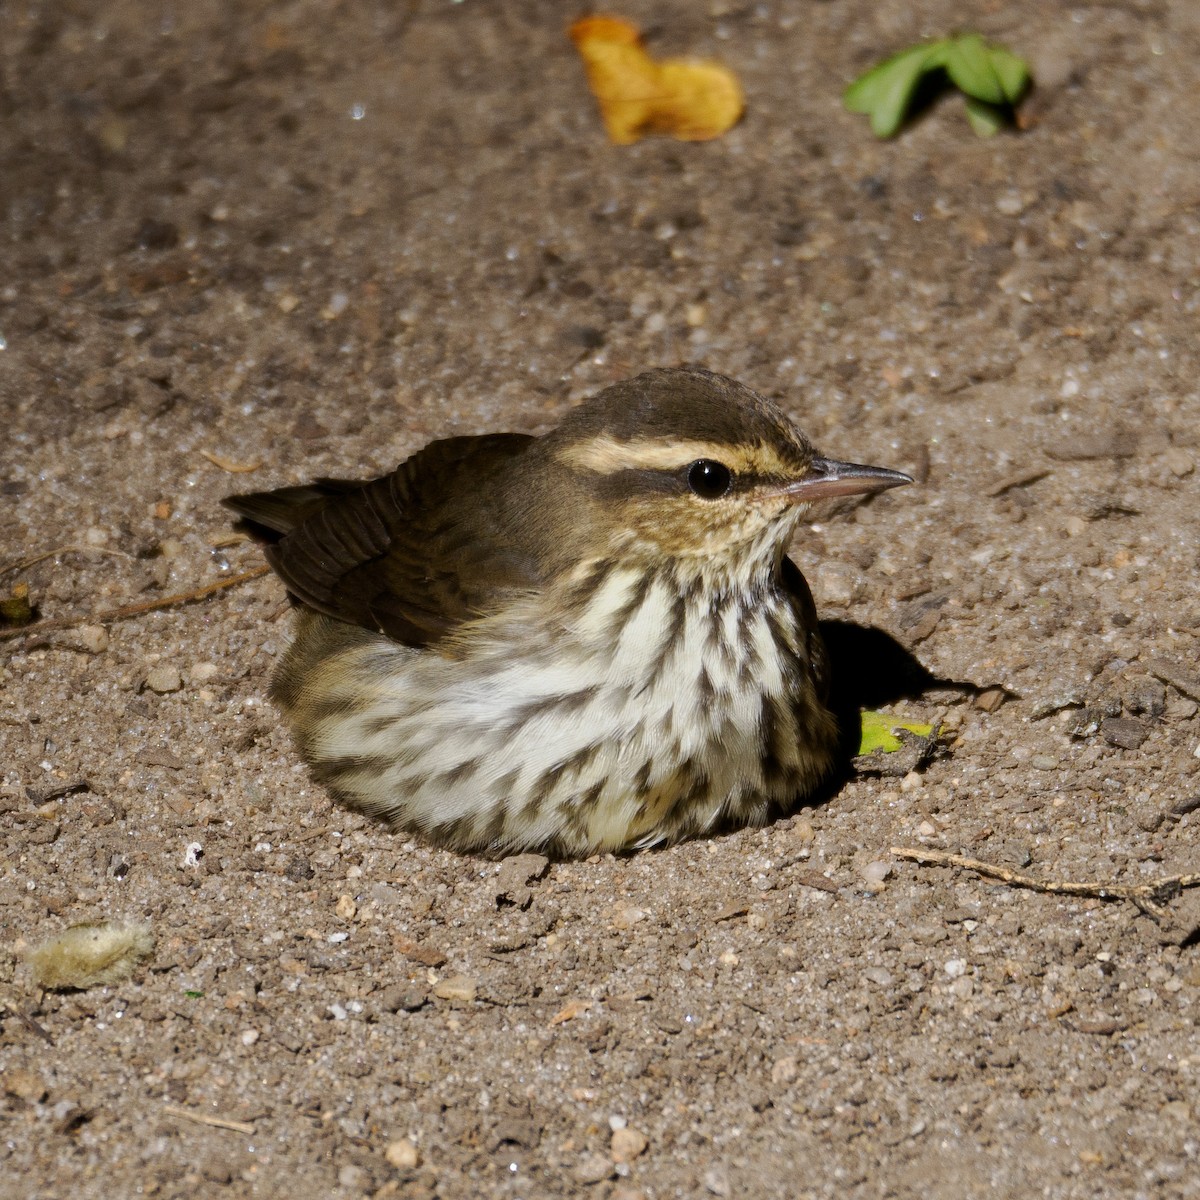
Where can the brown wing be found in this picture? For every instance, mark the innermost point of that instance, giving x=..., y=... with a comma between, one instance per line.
x=412, y=554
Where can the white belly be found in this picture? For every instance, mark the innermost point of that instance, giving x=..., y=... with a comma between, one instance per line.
x=535, y=736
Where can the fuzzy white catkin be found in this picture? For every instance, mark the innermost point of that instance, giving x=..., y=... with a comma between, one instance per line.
x=91, y=954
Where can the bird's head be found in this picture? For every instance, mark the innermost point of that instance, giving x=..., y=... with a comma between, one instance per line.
x=690, y=465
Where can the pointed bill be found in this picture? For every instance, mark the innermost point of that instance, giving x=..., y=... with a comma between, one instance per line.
x=827, y=478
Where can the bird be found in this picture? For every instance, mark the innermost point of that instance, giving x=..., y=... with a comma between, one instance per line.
x=587, y=641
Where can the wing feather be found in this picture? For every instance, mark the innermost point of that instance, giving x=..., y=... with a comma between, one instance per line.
x=402, y=554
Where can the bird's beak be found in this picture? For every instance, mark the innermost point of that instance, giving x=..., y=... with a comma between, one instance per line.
x=827, y=478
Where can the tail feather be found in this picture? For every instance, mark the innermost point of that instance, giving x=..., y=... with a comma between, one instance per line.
x=275, y=514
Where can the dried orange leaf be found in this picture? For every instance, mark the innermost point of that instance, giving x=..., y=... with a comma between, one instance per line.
x=690, y=99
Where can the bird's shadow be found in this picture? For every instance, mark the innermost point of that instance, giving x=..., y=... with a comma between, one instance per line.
x=869, y=669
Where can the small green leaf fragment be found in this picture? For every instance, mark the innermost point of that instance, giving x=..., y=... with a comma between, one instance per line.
x=886, y=91
x=969, y=65
x=1012, y=72
x=986, y=119
x=879, y=732
x=988, y=75
x=194, y=995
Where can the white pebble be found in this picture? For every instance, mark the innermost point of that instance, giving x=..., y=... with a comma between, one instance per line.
x=92, y=638
x=402, y=1155
x=876, y=872
x=164, y=679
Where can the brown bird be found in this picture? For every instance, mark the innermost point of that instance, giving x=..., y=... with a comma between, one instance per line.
x=586, y=641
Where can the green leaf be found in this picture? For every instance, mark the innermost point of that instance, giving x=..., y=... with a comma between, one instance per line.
x=194, y=995
x=969, y=65
x=879, y=732
x=1012, y=72
x=988, y=75
x=986, y=119
x=886, y=91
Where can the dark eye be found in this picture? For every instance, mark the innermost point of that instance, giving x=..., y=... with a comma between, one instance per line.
x=709, y=478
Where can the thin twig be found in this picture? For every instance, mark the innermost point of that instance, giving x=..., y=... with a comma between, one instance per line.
x=204, y=1119
x=227, y=464
x=1150, y=897
x=133, y=610
x=22, y=564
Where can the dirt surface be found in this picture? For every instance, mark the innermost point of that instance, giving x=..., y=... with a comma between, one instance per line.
x=306, y=238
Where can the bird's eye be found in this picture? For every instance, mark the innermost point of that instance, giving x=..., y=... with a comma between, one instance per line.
x=709, y=479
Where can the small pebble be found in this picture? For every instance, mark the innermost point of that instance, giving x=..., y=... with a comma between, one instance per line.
x=876, y=872
x=202, y=672
x=627, y=1144
x=593, y=1168
x=627, y=917
x=1123, y=732
x=1010, y=204
x=836, y=583
x=28, y=1085
x=353, y=1178
x=955, y=968
x=346, y=908
x=217, y=1170
x=402, y=1154
x=164, y=679
x=1044, y=762
x=962, y=989
x=1179, y=462
x=784, y=1070
x=249, y=1037
x=92, y=638
x=458, y=987
x=717, y=1182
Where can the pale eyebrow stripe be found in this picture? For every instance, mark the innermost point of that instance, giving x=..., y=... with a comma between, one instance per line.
x=606, y=456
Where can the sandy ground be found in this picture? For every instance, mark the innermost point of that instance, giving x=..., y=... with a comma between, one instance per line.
x=303, y=239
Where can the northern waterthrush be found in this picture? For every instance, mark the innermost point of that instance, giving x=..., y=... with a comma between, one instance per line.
x=590, y=640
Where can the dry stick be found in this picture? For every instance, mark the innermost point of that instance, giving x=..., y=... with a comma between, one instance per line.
x=21, y=564
x=133, y=610
x=204, y=1119
x=1150, y=897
